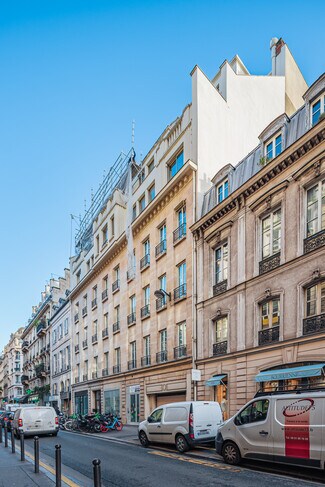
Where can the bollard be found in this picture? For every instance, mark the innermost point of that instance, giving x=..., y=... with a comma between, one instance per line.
x=13, y=446
x=57, y=465
x=22, y=446
x=97, y=473
x=36, y=454
x=0, y=432
x=6, y=435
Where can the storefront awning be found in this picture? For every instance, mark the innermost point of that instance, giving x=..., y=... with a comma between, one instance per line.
x=291, y=373
x=215, y=380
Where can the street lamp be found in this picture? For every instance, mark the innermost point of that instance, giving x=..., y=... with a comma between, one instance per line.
x=161, y=294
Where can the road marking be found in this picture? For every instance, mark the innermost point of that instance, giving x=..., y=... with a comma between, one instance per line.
x=219, y=466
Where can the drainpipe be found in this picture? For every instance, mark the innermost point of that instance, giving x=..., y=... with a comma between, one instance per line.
x=194, y=290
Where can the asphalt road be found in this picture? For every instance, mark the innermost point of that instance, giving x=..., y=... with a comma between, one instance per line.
x=133, y=466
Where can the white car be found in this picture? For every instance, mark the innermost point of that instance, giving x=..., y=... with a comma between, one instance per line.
x=285, y=428
x=36, y=420
x=185, y=424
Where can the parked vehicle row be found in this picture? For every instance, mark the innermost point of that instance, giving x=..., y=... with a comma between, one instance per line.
x=93, y=423
x=35, y=420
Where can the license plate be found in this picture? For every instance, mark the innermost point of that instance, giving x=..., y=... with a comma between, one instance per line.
x=203, y=432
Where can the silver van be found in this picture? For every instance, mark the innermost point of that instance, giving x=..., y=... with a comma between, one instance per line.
x=281, y=427
x=35, y=420
x=185, y=424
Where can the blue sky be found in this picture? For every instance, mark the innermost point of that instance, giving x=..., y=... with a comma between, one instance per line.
x=74, y=74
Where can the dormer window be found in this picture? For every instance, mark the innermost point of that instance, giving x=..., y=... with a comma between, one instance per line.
x=273, y=147
x=223, y=190
x=317, y=109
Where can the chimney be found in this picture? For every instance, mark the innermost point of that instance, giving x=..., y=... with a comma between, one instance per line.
x=273, y=44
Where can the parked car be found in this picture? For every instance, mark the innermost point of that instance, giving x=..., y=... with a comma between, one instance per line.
x=286, y=428
x=185, y=424
x=36, y=420
x=6, y=417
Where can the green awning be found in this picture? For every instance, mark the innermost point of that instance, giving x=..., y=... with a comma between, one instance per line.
x=291, y=373
x=215, y=380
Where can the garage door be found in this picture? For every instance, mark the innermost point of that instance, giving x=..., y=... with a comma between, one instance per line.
x=167, y=398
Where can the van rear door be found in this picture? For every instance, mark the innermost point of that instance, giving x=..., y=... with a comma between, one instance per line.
x=297, y=433
x=207, y=416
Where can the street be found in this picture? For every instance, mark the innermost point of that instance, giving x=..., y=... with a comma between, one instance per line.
x=133, y=466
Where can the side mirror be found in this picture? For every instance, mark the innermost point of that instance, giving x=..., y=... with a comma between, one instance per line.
x=149, y=419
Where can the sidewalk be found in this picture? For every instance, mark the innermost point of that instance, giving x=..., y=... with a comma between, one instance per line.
x=14, y=473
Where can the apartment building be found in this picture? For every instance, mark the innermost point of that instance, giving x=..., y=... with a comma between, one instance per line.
x=260, y=264
x=36, y=343
x=14, y=365
x=3, y=379
x=132, y=275
x=60, y=326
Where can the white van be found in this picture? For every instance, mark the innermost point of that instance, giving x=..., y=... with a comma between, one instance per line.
x=185, y=424
x=285, y=428
x=36, y=420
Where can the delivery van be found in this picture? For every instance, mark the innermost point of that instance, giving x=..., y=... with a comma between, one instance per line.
x=280, y=427
x=185, y=424
x=36, y=420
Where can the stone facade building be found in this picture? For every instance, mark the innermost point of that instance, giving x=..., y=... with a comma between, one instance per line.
x=260, y=264
x=14, y=365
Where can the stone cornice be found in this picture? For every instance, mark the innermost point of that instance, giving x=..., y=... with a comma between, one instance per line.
x=289, y=156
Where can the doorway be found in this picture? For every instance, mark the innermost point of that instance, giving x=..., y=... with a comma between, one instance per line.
x=133, y=410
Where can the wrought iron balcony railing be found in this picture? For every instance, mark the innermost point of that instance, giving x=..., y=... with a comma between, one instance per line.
x=104, y=372
x=145, y=311
x=85, y=343
x=161, y=357
x=180, y=292
x=131, y=318
x=76, y=348
x=314, y=324
x=132, y=364
x=179, y=233
x=220, y=348
x=269, y=335
x=180, y=352
x=84, y=311
x=105, y=294
x=161, y=248
x=116, y=286
x=145, y=262
x=94, y=338
x=270, y=263
x=105, y=333
x=76, y=317
x=94, y=303
x=145, y=361
x=220, y=287
x=314, y=241
x=116, y=326
x=116, y=369
x=161, y=303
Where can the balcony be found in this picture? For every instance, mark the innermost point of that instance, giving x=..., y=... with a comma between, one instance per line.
x=145, y=361
x=84, y=311
x=161, y=248
x=41, y=329
x=145, y=311
x=66, y=394
x=85, y=377
x=94, y=375
x=130, y=274
x=116, y=286
x=25, y=380
x=269, y=335
x=85, y=344
x=76, y=380
x=314, y=324
x=76, y=349
x=105, y=333
x=179, y=233
x=105, y=295
x=161, y=303
x=116, y=327
x=161, y=356
x=94, y=303
x=104, y=372
x=180, y=292
x=76, y=317
x=132, y=364
x=220, y=287
x=40, y=371
x=131, y=318
x=116, y=369
x=145, y=262
x=180, y=352
x=220, y=348
x=25, y=345
x=314, y=241
x=270, y=263
x=94, y=339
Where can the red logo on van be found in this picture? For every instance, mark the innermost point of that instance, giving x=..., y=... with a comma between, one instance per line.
x=297, y=408
x=296, y=429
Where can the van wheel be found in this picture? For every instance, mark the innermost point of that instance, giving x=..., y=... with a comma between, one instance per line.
x=181, y=444
x=231, y=453
x=143, y=439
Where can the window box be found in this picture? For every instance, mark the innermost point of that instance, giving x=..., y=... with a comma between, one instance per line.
x=145, y=262
x=132, y=364
x=145, y=311
x=116, y=369
x=145, y=361
x=161, y=356
x=220, y=348
x=180, y=292
x=161, y=248
x=269, y=335
x=270, y=263
x=105, y=333
x=131, y=319
x=220, y=287
x=314, y=324
x=116, y=286
x=116, y=327
x=179, y=233
x=180, y=352
x=314, y=241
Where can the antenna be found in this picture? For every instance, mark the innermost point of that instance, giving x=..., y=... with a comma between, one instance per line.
x=132, y=138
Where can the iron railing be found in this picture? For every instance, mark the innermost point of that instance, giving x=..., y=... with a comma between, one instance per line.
x=116, y=326
x=269, y=335
x=116, y=286
x=145, y=261
x=105, y=333
x=220, y=348
x=161, y=356
x=116, y=369
x=180, y=352
x=131, y=318
x=161, y=248
x=179, y=233
x=314, y=324
x=145, y=311
x=146, y=360
x=180, y=292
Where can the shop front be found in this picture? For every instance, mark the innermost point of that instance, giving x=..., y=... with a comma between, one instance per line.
x=292, y=377
x=112, y=402
x=220, y=393
x=81, y=402
x=133, y=404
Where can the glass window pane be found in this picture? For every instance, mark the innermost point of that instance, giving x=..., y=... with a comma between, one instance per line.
x=278, y=145
x=269, y=150
x=315, y=112
x=226, y=189
x=312, y=211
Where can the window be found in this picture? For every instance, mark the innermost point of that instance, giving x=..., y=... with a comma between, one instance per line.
x=156, y=416
x=176, y=165
x=133, y=304
x=133, y=351
x=181, y=216
x=60, y=331
x=162, y=233
x=94, y=292
x=223, y=190
x=270, y=311
x=271, y=234
x=163, y=340
x=182, y=274
x=117, y=273
x=105, y=283
x=274, y=147
x=78, y=276
x=142, y=204
x=221, y=263
x=150, y=167
x=315, y=300
x=112, y=226
x=118, y=356
x=146, y=346
x=97, y=244
x=253, y=413
x=105, y=234
x=141, y=176
x=316, y=208
x=117, y=313
x=181, y=334
x=163, y=282
x=106, y=361
x=317, y=108
x=95, y=327
x=66, y=326
x=146, y=295
x=221, y=330
x=105, y=321
x=146, y=247
x=134, y=212
x=151, y=193
x=88, y=265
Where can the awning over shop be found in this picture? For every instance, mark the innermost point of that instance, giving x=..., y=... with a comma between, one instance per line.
x=291, y=373
x=215, y=380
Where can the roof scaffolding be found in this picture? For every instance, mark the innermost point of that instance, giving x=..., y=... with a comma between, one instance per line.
x=115, y=179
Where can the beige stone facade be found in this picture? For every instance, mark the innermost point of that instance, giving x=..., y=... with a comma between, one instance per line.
x=260, y=313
